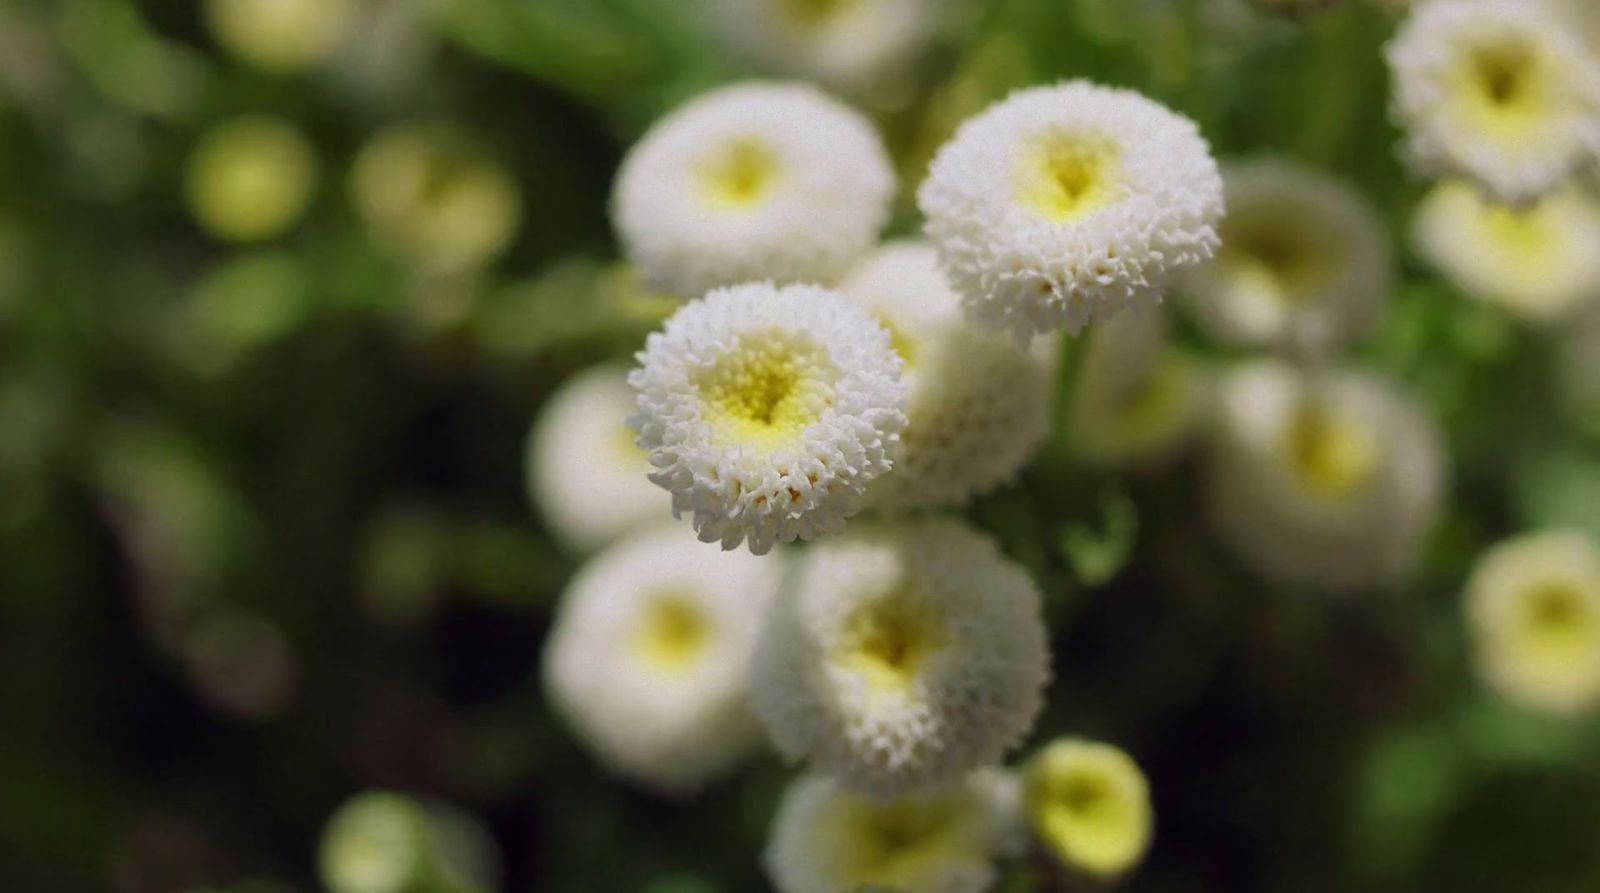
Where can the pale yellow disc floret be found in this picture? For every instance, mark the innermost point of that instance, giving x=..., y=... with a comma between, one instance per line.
x=1089, y=805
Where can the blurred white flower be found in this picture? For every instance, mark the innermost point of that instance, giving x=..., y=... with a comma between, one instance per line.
x=435, y=197
x=767, y=411
x=1327, y=479
x=282, y=35
x=588, y=478
x=828, y=839
x=649, y=655
x=250, y=178
x=1089, y=804
x=1539, y=262
x=1066, y=204
x=1499, y=91
x=386, y=842
x=1136, y=398
x=1533, y=603
x=977, y=407
x=1304, y=262
x=855, y=46
x=902, y=657
x=752, y=182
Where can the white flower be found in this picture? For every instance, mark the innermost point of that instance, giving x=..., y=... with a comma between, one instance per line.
x=767, y=411
x=588, y=478
x=1534, y=607
x=1304, y=261
x=1538, y=262
x=281, y=35
x=1063, y=205
x=850, y=45
x=1089, y=804
x=902, y=657
x=1497, y=90
x=649, y=655
x=752, y=182
x=1136, y=398
x=828, y=839
x=251, y=178
x=1327, y=479
x=977, y=407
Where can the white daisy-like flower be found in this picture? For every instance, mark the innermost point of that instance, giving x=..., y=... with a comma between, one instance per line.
x=1089, y=804
x=850, y=45
x=1304, y=261
x=649, y=655
x=1539, y=262
x=1137, y=399
x=829, y=839
x=1499, y=91
x=282, y=35
x=1533, y=603
x=902, y=657
x=1066, y=204
x=752, y=182
x=588, y=478
x=767, y=411
x=1326, y=479
x=977, y=407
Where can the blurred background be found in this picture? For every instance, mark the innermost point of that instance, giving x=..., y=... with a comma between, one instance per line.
x=284, y=285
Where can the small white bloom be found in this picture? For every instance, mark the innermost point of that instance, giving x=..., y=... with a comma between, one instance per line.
x=1327, y=479
x=1066, y=204
x=1136, y=398
x=828, y=839
x=584, y=471
x=977, y=407
x=1539, y=262
x=1304, y=261
x=902, y=658
x=752, y=182
x=282, y=35
x=1089, y=804
x=767, y=411
x=1534, y=607
x=1499, y=91
x=649, y=656
x=850, y=45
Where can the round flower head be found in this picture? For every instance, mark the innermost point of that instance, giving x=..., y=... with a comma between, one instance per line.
x=976, y=406
x=588, y=478
x=1538, y=262
x=1304, y=261
x=1497, y=90
x=281, y=35
x=1063, y=205
x=767, y=411
x=850, y=45
x=829, y=839
x=251, y=178
x=1534, y=607
x=1136, y=399
x=752, y=182
x=903, y=657
x=1089, y=805
x=648, y=657
x=1327, y=480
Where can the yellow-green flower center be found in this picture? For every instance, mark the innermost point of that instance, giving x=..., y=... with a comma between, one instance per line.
x=1064, y=176
x=673, y=631
x=887, y=641
x=1331, y=455
x=767, y=390
x=740, y=174
x=1276, y=256
x=896, y=845
x=1086, y=805
x=1558, y=622
x=1502, y=86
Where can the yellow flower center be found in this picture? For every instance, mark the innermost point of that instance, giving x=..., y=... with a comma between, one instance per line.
x=899, y=342
x=1558, y=622
x=1277, y=257
x=1526, y=235
x=740, y=174
x=1079, y=806
x=813, y=13
x=887, y=641
x=1503, y=86
x=1064, y=176
x=1332, y=456
x=767, y=390
x=673, y=631
x=895, y=845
